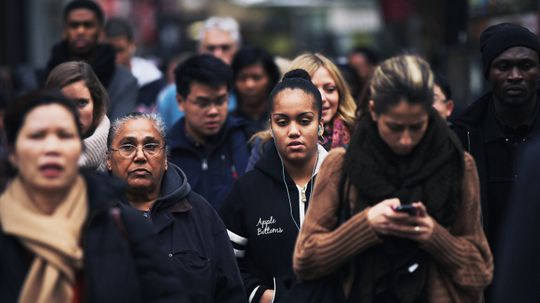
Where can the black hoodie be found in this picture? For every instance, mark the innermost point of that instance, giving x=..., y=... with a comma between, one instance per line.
x=194, y=236
x=263, y=217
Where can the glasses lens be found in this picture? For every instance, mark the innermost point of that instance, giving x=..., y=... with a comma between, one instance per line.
x=151, y=149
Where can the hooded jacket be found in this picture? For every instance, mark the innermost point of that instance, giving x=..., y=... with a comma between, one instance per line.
x=195, y=238
x=120, y=259
x=213, y=167
x=263, y=217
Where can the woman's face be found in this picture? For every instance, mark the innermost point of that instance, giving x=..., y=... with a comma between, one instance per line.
x=81, y=95
x=402, y=126
x=294, y=122
x=329, y=93
x=47, y=149
x=252, y=84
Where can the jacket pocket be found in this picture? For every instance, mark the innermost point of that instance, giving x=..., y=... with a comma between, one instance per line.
x=196, y=274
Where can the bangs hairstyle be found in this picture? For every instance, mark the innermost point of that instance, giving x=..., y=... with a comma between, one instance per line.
x=311, y=62
x=68, y=73
x=203, y=69
x=17, y=111
x=403, y=78
x=249, y=56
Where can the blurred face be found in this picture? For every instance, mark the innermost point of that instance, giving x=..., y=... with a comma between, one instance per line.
x=81, y=95
x=124, y=50
x=329, y=93
x=143, y=171
x=360, y=63
x=443, y=106
x=294, y=122
x=402, y=126
x=205, y=110
x=220, y=44
x=514, y=76
x=47, y=149
x=252, y=84
x=82, y=30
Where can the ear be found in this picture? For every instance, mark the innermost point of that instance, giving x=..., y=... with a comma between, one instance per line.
x=180, y=100
x=13, y=160
x=321, y=129
x=166, y=164
x=108, y=164
x=449, y=108
x=271, y=132
x=372, y=112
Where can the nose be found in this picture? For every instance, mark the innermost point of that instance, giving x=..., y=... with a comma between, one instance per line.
x=515, y=74
x=212, y=109
x=250, y=83
x=294, y=131
x=52, y=143
x=405, y=140
x=139, y=154
x=323, y=95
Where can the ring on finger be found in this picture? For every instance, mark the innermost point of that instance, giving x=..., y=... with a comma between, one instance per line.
x=417, y=228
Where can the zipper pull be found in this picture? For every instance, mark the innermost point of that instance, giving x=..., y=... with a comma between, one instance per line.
x=303, y=194
x=204, y=165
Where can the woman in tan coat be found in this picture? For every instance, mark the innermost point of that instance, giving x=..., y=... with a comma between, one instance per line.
x=413, y=231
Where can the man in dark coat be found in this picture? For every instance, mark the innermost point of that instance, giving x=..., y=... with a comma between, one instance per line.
x=207, y=143
x=83, y=26
x=188, y=228
x=496, y=127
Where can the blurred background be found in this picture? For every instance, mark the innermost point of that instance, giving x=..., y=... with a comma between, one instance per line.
x=446, y=32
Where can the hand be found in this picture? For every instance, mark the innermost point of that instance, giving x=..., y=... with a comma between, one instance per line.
x=267, y=296
x=378, y=215
x=418, y=228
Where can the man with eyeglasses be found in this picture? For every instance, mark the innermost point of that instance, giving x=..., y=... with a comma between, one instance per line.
x=207, y=143
x=188, y=228
x=83, y=25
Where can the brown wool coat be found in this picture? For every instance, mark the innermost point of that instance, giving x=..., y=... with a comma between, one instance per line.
x=461, y=261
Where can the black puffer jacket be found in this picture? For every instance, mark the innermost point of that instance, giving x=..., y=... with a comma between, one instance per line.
x=120, y=259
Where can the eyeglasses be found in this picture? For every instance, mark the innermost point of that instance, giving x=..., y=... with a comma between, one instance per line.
x=128, y=150
x=205, y=103
x=224, y=47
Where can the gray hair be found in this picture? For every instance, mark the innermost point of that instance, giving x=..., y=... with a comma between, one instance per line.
x=152, y=117
x=225, y=24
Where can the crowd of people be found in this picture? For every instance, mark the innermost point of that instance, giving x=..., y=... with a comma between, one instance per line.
x=236, y=176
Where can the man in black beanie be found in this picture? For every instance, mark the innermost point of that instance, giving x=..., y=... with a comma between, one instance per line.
x=496, y=127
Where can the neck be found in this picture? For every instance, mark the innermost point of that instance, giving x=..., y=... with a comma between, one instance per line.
x=255, y=110
x=515, y=116
x=46, y=201
x=301, y=173
x=193, y=135
x=142, y=200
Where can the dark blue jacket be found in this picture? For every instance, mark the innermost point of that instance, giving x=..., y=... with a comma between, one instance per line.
x=196, y=240
x=211, y=168
x=120, y=259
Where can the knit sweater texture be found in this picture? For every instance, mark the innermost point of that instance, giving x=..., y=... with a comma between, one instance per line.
x=461, y=263
x=95, y=147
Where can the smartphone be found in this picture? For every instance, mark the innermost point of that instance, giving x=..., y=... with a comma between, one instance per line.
x=406, y=208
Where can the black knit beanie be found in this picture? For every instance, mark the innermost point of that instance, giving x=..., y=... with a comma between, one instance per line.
x=87, y=4
x=500, y=37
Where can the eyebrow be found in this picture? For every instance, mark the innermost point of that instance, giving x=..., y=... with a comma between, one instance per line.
x=279, y=115
x=147, y=139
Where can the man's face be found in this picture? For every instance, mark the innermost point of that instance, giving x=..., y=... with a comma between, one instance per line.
x=205, y=110
x=219, y=44
x=514, y=76
x=124, y=49
x=82, y=30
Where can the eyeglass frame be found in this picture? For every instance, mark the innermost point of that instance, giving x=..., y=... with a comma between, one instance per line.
x=136, y=150
x=205, y=103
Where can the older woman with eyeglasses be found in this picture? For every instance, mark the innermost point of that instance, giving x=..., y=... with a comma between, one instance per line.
x=188, y=227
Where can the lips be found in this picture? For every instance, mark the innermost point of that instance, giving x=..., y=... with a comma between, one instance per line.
x=139, y=172
x=514, y=90
x=51, y=170
x=212, y=124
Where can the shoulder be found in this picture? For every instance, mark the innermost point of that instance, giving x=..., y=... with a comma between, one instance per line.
x=470, y=164
x=335, y=157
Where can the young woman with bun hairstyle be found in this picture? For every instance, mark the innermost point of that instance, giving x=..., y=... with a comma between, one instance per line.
x=408, y=199
x=265, y=209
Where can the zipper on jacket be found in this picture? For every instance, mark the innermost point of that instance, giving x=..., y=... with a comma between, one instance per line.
x=204, y=164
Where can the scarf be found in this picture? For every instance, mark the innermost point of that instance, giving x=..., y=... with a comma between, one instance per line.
x=52, y=239
x=432, y=173
x=336, y=134
x=95, y=147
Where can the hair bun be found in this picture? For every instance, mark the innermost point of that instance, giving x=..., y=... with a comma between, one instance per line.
x=297, y=73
